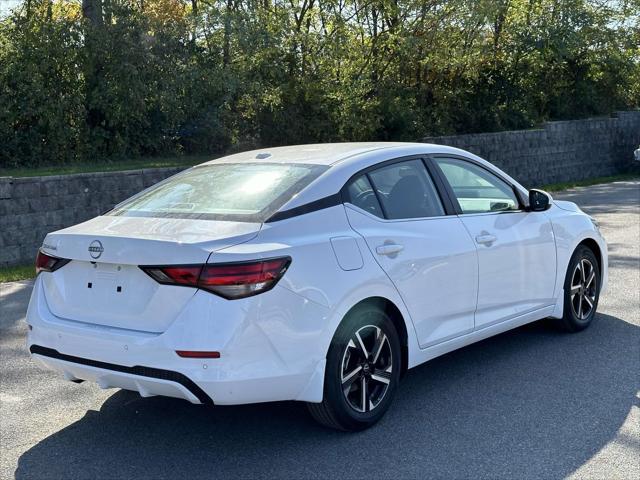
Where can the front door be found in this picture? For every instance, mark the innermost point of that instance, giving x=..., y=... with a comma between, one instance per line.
x=516, y=248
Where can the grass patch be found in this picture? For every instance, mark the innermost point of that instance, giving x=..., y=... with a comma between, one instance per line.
x=556, y=187
x=20, y=272
x=155, y=162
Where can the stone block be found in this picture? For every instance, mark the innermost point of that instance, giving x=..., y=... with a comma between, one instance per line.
x=5, y=206
x=10, y=255
x=7, y=222
x=54, y=219
x=11, y=236
x=25, y=187
x=52, y=187
x=6, y=187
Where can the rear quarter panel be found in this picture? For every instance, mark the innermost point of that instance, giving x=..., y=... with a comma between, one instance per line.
x=315, y=272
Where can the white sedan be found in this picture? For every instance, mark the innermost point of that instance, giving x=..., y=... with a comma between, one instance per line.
x=316, y=273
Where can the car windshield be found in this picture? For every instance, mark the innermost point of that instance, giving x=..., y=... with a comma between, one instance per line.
x=249, y=192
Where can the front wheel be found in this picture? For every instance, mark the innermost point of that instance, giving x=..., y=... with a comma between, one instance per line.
x=581, y=290
x=362, y=372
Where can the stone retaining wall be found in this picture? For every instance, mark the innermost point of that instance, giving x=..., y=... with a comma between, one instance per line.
x=30, y=207
x=558, y=152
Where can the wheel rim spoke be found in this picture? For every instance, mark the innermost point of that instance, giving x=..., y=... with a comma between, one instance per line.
x=364, y=393
x=351, y=377
x=589, y=301
x=578, y=272
x=592, y=276
x=381, y=338
x=580, y=306
x=361, y=344
x=381, y=376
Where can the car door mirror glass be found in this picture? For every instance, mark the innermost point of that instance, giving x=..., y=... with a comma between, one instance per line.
x=539, y=201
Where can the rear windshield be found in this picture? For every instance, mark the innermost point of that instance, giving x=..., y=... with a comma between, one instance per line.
x=249, y=192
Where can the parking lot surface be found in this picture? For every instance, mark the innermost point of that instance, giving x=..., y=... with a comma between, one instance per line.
x=530, y=403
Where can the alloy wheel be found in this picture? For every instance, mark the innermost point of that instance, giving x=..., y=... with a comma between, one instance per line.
x=583, y=289
x=367, y=364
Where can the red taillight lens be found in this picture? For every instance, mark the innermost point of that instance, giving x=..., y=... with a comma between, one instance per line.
x=175, y=275
x=228, y=280
x=48, y=263
x=238, y=280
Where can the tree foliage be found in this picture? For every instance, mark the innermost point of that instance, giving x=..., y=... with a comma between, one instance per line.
x=108, y=79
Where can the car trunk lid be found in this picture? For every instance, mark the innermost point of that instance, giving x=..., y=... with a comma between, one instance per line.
x=103, y=283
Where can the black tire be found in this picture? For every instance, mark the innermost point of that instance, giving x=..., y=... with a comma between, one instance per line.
x=580, y=293
x=344, y=411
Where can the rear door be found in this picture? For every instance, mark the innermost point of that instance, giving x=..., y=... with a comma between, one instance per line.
x=426, y=253
x=516, y=248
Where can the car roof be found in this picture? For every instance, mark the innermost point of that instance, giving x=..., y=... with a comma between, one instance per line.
x=345, y=160
x=318, y=154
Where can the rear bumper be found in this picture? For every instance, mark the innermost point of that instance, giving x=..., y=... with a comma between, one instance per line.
x=270, y=353
x=145, y=380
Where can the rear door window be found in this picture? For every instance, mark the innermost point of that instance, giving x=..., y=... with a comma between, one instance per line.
x=360, y=193
x=406, y=190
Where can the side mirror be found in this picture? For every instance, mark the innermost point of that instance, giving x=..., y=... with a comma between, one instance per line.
x=539, y=201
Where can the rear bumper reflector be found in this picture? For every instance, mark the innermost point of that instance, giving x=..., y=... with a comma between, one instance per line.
x=149, y=372
x=191, y=354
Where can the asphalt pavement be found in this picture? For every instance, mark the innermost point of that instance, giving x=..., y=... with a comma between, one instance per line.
x=530, y=403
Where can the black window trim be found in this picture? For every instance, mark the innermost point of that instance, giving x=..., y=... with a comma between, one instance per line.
x=320, y=204
x=522, y=207
x=444, y=190
x=447, y=205
x=383, y=209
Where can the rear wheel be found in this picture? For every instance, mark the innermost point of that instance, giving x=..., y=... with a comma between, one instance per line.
x=362, y=372
x=581, y=290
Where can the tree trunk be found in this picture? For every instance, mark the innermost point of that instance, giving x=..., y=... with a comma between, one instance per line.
x=92, y=11
x=107, y=11
x=194, y=13
x=226, y=46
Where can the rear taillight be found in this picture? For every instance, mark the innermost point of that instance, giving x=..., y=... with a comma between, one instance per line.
x=48, y=263
x=228, y=280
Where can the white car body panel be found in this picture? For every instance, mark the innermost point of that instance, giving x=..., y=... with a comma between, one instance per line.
x=516, y=261
x=437, y=280
x=448, y=290
x=148, y=241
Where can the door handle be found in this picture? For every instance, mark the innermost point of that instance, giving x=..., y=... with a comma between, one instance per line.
x=389, y=249
x=486, y=239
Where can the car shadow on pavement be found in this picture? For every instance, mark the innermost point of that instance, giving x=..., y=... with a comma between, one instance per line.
x=532, y=402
